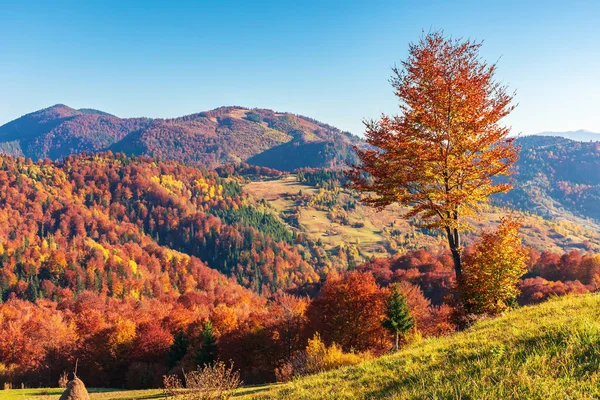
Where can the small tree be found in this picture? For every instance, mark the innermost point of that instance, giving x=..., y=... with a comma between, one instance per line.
x=493, y=268
x=207, y=353
x=398, y=317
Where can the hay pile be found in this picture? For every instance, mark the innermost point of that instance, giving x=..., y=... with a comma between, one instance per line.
x=75, y=390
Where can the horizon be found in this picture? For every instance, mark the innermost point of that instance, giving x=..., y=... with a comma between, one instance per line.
x=160, y=61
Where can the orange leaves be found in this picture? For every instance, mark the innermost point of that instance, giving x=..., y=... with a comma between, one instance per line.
x=492, y=270
x=348, y=312
x=440, y=154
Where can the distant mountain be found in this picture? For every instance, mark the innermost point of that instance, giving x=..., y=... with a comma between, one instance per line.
x=581, y=135
x=228, y=134
x=555, y=175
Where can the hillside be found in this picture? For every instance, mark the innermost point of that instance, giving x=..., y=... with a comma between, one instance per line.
x=548, y=351
x=208, y=139
x=107, y=258
x=556, y=177
x=116, y=261
x=334, y=216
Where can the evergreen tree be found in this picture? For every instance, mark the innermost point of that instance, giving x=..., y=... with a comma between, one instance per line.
x=178, y=349
x=207, y=353
x=398, y=319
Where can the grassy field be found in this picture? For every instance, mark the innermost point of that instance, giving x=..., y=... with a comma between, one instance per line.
x=557, y=236
x=549, y=351
x=103, y=394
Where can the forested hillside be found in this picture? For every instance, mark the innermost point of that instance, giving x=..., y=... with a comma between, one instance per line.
x=207, y=139
x=140, y=266
x=555, y=176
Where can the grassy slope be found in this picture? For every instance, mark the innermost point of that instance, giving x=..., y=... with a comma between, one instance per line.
x=548, y=351
x=537, y=232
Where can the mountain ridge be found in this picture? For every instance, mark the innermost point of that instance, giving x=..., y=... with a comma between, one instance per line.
x=580, y=135
x=229, y=134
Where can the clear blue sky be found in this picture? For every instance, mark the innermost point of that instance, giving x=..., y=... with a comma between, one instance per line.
x=328, y=60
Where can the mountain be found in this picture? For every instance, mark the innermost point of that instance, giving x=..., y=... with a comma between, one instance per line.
x=556, y=176
x=537, y=352
x=581, y=135
x=225, y=135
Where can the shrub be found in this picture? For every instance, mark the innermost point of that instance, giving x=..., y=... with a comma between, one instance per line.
x=171, y=385
x=492, y=270
x=63, y=380
x=318, y=357
x=214, y=381
x=284, y=373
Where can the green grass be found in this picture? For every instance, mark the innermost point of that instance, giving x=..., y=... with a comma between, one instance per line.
x=549, y=351
x=104, y=394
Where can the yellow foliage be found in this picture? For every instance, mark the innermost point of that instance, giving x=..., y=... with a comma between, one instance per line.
x=95, y=245
x=123, y=332
x=319, y=357
x=170, y=183
x=492, y=270
x=134, y=267
x=134, y=293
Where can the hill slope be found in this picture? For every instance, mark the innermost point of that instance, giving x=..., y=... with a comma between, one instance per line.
x=556, y=176
x=337, y=219
x=548, y=351
x=209, y=139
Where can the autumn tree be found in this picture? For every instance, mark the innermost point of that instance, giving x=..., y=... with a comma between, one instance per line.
x=398, y=319
x=493, y=268
x=440, y=154
x=349, y=312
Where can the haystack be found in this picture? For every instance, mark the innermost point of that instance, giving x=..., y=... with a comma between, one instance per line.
x=75, y=390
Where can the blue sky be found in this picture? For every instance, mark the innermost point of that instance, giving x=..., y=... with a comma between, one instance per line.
x=329, y=60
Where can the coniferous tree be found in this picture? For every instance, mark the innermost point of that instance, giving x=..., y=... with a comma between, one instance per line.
x=178, y=349
x=398, y=317
x=207, y=353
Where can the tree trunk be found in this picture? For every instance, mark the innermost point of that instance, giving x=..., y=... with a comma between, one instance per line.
x=454, y=243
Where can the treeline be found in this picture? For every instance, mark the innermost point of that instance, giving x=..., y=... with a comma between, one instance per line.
x=549, y=274
x=322, y=178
